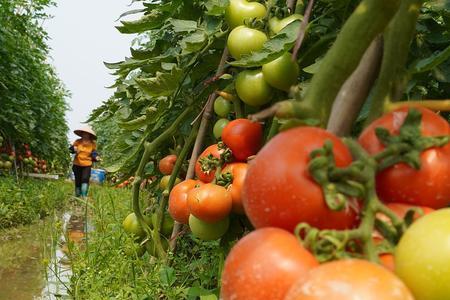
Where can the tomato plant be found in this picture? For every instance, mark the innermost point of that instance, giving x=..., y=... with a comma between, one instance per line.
x=222, y=107
x=131, y=225
x=346, y=279
x=276, y=24
x=240, y=10
x=166, y=164
x=210, y=152
x=244, y=40
x=178, y=206
x=209, y=202
x=164, y=183
x=263, y=265
x=208, y=231
x=252, y=88
x=422, y=257
x=430, y=185
x=238, y=172
x=282, y=72
x=243, y=137
x=219, y=126
x=279, y=191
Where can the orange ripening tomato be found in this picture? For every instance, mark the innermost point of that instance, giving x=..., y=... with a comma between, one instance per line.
x=349, y=279
x=387, y=261
x=263, y=265
x=238, y=171
x=178, y=206
x=209, y=202
x=167, y=163
x=430, y=185
x=207, y=176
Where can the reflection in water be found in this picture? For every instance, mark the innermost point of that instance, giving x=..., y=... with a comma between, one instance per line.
x=33, y=261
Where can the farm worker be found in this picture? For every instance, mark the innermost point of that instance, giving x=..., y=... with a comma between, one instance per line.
x=85, y=153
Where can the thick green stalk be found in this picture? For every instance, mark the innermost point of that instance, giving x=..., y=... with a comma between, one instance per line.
x=149, y=149
x=368, y=20
x=176, y=170
x=397, y=39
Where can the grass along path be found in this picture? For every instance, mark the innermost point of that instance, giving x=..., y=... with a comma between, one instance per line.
x=102, y=270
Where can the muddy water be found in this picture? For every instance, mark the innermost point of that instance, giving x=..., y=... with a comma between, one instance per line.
x=33, y=261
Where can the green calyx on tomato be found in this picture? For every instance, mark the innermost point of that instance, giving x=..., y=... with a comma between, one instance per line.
x=252, y=88
x=208, y=231
x=219, y=126
x=222, y=107
x=244, y=40
x=420, y=175
x=282, y=72
x=240, y=10
x=276, y=24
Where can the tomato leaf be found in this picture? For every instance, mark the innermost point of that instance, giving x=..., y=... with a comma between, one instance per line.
x=272, y=49
x=163, y=84
x=216, y=7
x=431, y=62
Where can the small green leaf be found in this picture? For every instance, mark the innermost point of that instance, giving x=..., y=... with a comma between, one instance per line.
x=193, y=42
x=183, y=25
x=431, y=62
x=163, y=84
x=154, y=19
x=216, y=7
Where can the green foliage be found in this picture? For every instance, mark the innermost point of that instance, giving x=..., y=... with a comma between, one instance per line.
x=31, y=95
x=104, y=271
x=26, y=201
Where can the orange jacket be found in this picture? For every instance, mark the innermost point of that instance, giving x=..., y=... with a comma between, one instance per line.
x=83, y=155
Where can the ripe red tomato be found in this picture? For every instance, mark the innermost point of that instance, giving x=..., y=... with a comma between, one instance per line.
x=178, y=206
x=278, y=190
x=429, y=186
x=263, y=265
x=209, y=202
x=243, y=137
x=207, y=177
x=167, y=163
x=349, y=279
x=238, y=171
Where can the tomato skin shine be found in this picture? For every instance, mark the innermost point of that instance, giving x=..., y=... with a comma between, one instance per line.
x=263, y=265
x=429, y=186
x=278, y=190
x=349, y=279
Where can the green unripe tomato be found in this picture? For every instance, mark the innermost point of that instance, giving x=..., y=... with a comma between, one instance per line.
x=2, y=164
x=276, y=25
x=422, y=257
x=131, y=225
x=252, y=88
x=208, y=231
x=164, y=183
x=7, y=165
x=281, y=73
x=240, y=10
x=244, y=40
x=222, y=107
x=219, y=126
x=167, y=224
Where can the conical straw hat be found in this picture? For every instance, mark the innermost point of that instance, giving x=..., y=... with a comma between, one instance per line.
x=87, y=129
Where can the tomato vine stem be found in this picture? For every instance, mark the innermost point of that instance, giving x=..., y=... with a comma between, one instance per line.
x=149, y=149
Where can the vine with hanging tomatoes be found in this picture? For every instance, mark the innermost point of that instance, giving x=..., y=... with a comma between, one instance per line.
x=293, y=194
